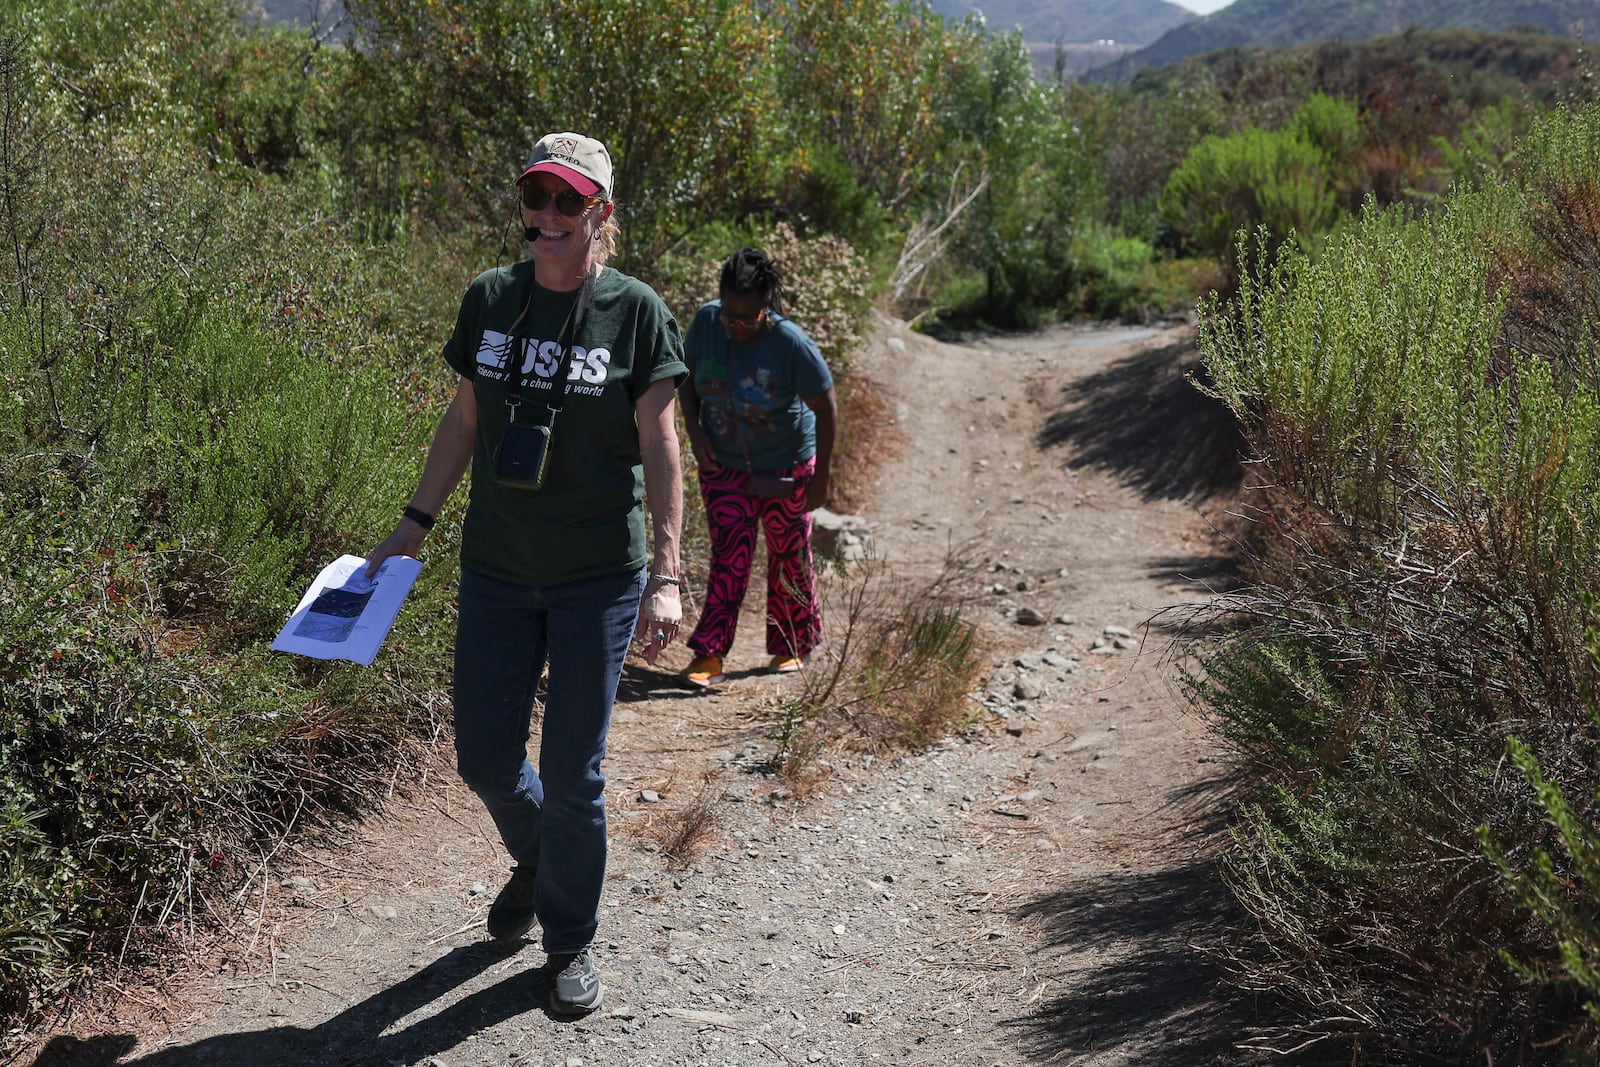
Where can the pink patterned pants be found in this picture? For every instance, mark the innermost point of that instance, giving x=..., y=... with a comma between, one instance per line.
x=794, y=617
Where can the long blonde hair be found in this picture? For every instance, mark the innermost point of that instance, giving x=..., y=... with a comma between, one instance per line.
x=605, y=238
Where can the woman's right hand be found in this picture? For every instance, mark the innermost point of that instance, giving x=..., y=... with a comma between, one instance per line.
x=404, y=540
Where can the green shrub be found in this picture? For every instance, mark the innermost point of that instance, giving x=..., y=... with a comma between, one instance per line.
x=1559, y=887
x=1120, y=278
x=200, y=410
x=1018, y=232
x=827, y=287
x=1284, y=181
x=1426, y=419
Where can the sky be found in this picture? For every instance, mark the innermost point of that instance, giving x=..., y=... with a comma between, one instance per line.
x=1202, y=7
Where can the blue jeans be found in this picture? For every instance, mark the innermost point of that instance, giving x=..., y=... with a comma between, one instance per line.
x=552, y=818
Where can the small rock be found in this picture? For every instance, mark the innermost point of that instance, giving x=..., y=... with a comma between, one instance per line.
x=1023, y=689
x=1066, y=620
x=383, y=911
x=839, y=929
x=1029, y=617
x=649, y=796
x=1023, y=585
x=813, y=1057
x=1117, y=631
x=477, y=889
x=1062, y=572
x=997, y=589
x=1014, y=728
x=1052, y=659
x=896, y=344
x=300, y=883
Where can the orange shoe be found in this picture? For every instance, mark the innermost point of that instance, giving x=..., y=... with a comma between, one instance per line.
x=704, y=671
x=785, y=664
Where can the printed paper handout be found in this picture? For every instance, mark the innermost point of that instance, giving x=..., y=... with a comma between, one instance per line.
x=345, y=614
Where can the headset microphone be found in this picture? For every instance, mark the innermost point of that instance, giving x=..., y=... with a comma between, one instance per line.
x=531, y=232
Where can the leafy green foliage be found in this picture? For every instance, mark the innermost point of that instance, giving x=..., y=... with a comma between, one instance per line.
x=452, y=97
x=1426, y=415
x=1284, y=181
x=1564, y=894
x=871, y=82
x=182, y=443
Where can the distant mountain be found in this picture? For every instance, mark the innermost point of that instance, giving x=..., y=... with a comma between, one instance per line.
x=1277, y=23
x=1135, y=22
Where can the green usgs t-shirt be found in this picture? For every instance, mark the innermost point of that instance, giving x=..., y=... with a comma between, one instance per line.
x=587, y=520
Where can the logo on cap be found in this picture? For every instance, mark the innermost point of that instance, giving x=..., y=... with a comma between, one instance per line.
x=564, y=146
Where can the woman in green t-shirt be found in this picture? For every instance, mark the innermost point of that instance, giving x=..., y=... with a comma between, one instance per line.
x=564, y=412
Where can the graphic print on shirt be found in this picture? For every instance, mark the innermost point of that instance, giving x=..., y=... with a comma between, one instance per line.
x=754, y=398
x=539, y=362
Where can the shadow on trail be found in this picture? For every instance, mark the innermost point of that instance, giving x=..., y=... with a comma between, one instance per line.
x=1143, y=420
x=640, y=681
x=1145, y=990
x=1126, y=961
x=357, y=1036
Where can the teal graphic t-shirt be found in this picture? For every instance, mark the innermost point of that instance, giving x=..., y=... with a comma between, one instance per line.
x=588, y=518
x=753, y=394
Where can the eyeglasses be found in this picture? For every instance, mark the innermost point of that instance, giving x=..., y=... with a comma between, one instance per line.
x=570, y=204
x=753, y=322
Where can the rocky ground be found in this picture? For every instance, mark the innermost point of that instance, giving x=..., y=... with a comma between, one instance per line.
x=1039, y=889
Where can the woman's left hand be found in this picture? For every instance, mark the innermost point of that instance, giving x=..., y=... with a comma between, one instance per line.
x=660, y=615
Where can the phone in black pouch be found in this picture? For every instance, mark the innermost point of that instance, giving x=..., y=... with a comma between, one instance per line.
x=523, y=457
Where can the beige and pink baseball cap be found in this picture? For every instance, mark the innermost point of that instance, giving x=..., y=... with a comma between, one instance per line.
x=581, y=162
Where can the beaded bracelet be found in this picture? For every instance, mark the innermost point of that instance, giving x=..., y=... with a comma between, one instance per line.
x=665, y=580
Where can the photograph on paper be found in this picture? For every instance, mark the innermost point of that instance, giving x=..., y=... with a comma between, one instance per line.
x=345, y=614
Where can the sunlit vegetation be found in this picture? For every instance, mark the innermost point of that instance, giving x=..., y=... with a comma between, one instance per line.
x=229, y=253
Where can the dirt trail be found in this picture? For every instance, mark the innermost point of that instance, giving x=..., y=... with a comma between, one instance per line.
x=1037, y=890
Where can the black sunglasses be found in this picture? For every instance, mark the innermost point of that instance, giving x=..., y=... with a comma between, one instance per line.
x=755, y=321
x=570, y=204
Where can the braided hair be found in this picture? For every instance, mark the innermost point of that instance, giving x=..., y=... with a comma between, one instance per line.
x=748, y=272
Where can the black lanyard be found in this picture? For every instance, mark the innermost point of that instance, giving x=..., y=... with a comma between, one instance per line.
x=514, y=379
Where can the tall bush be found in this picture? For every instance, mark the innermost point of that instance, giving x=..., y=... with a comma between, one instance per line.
x=1021, y=229
x=1425, y=542
x=455, y=96
x=175, y=462
x=1284, y=181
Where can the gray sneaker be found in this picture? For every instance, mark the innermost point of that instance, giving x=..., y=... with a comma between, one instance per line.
x=513, y=911
x=577, y=989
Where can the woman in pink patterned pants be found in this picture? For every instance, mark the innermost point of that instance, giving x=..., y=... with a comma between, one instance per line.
x=761, y=412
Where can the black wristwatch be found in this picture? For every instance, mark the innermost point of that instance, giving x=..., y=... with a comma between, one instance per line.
x=418, y=516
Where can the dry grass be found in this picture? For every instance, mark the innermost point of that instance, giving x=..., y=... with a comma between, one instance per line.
x=868, y=438
x=895, y=675
x=683, y=833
